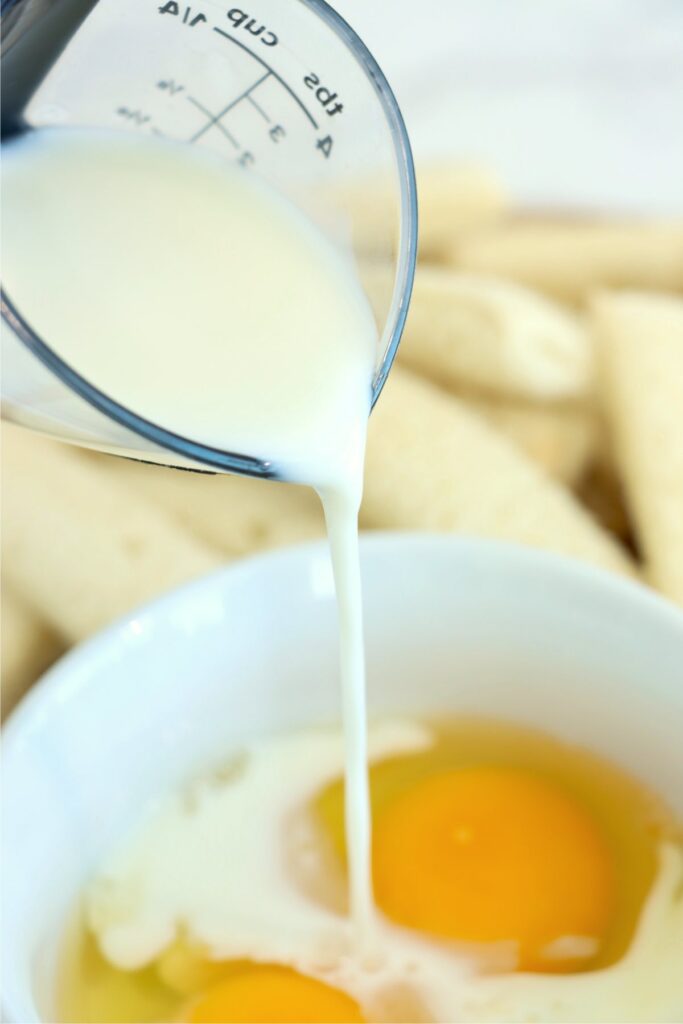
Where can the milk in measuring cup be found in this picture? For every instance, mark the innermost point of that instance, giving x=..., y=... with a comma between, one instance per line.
x=202, y=301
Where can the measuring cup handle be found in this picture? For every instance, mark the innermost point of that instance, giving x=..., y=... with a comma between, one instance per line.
x=34, y=34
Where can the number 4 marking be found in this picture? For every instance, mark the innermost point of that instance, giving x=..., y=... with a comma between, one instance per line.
x=325, y=145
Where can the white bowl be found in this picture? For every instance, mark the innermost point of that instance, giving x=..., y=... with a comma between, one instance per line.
x=452, y=625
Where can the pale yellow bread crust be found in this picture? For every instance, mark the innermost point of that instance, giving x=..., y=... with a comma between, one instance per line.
x=641, y=348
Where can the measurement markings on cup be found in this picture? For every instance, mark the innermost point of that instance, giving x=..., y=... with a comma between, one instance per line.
x=259, y=109
x=217, y=118
x=325, y=95
x=285, y=85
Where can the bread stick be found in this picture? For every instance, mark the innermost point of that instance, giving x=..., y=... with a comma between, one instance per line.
x=641, y=348
x=235, y=515
x=432, y=465
x=562, y=439
x=453, y=199
x=29, y=647
x=81, y=547
x=496, y=336
x=568, y=261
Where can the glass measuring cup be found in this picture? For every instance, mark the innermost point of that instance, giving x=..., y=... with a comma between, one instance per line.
x=287, y=90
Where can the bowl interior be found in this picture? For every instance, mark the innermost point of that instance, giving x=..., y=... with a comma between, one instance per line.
x=452, y=625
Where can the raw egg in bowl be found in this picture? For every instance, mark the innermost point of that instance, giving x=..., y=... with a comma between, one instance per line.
x=173, y=840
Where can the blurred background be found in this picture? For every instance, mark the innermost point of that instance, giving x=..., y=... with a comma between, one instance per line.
x=569, y=100
x=521, y=113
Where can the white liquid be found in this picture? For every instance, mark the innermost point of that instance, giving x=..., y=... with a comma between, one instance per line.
x=203, y=302
x=244, y=903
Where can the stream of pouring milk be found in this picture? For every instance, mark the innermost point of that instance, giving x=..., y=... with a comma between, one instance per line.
x=204, y=302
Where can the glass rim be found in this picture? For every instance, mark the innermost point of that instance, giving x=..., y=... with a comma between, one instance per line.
x=406, y=257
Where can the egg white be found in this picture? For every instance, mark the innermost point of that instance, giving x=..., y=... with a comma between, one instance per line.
x=211, y=861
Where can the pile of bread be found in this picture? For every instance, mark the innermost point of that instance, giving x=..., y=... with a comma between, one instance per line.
x=537, y=398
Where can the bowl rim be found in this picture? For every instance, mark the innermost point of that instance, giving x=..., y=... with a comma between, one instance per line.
x=33, y=714
x=510, y=556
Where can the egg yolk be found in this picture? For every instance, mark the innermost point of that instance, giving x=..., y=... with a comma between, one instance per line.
x=270, y=995
x=492, y=854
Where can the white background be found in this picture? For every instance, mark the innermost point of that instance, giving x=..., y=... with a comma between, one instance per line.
x=576, y=100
